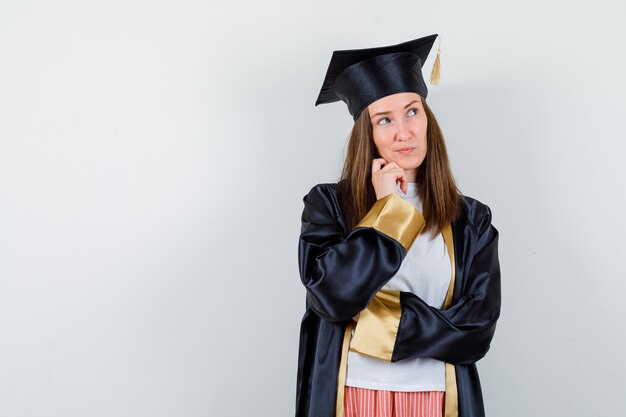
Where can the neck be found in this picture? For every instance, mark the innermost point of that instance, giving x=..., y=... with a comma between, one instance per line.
x=411, y=174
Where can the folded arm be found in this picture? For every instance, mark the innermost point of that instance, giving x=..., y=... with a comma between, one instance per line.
x=342, y=273
x=400, y=325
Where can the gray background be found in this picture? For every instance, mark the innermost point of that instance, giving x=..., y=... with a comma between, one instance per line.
x=153, y=160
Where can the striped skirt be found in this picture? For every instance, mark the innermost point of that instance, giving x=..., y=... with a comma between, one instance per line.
x=363, y=402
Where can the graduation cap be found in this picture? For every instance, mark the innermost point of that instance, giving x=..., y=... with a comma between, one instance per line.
x=361, y=76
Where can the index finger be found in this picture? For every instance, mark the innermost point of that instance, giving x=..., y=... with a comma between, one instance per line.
x=377, y=164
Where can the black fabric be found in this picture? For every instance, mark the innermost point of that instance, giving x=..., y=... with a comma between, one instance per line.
x=462, y=333
x=342, y=271
x=380, y=76
x=361, y=76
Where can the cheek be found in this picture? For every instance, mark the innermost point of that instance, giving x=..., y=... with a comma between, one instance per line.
x=382, y=142
x=378, y=138
x=421, y=132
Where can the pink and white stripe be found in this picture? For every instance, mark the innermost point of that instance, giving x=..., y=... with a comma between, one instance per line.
x=363, y=402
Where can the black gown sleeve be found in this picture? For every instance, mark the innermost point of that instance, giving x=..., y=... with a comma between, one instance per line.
x=407, y=327
x=342, y=273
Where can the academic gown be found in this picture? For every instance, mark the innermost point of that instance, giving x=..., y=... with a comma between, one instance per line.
x=343, y=272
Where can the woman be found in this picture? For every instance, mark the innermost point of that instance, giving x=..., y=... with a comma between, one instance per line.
x=401, y=270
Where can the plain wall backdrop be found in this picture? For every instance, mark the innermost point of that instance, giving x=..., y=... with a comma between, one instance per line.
x=153, y=160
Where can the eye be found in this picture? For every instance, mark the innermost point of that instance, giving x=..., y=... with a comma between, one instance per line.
x=414, y=112
x=384, y=118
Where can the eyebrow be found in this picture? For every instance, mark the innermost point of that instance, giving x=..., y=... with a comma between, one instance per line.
x=387, y=112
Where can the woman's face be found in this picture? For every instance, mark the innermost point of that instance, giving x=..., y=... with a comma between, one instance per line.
x=399, y=129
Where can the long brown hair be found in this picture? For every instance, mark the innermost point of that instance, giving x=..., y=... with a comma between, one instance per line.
x=439, y=193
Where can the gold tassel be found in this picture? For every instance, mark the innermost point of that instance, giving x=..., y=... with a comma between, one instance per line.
x=434, y=74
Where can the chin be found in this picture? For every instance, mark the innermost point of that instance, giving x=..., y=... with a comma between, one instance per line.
x=410, y=164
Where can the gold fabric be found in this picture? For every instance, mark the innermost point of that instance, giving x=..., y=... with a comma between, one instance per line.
x=396, y=218
x=377, y=328
x=451, y=398
x=447, y=237
x=343, y=367
x=451, y=406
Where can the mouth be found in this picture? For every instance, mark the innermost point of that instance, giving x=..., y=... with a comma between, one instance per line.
x=405, y=151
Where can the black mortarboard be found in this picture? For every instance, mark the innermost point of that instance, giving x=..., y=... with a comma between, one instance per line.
x=361, y=76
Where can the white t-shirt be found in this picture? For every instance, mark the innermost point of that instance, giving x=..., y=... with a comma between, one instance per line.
x=426, y=272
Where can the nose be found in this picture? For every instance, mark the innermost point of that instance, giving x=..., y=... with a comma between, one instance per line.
x=404, y=132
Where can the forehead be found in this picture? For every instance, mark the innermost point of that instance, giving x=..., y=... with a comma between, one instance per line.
x=393, y=101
